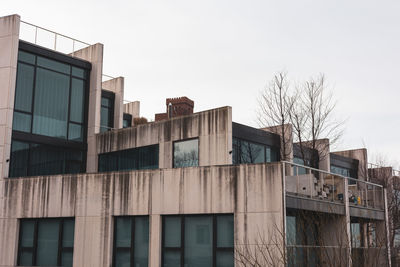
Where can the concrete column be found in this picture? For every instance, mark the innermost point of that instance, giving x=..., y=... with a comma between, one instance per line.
x=132, y=108
x=348, y=221
x=116, y=86
x=155, y=241
x=9, y=40
x=93, y=54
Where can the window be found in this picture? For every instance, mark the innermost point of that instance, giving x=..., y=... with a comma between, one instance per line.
x=249, y=152
x=50, y=98
x=46, y=242
x=186, y=153
x=355, y=235
x=107, y=111
x=343, y=171
x=198, y=240
x=397, y=238
x=131, y=159
x=131, y=241
x=29, y=159
x=127, y=120
x=299, y=170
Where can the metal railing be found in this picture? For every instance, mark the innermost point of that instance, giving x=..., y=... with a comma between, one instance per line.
x=324, y=185
x=50, y=39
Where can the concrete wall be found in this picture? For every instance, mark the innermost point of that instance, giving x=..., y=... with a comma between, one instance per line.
x=116, y=86
x=9, y=39
x=93, y=54
x=253, y=193
x=212, y=127
x=132, y=108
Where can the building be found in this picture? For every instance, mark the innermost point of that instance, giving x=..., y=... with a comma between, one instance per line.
x=191, y=189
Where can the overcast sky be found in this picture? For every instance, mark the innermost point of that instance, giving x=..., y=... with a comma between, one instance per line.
x=223, y=52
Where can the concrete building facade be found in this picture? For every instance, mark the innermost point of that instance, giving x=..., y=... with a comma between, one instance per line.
x=192, y=189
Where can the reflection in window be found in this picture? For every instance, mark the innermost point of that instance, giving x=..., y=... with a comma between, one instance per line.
x=29, y=159
x=249, y=152
x=131, y=241
x=299, y=170
x=355, y=235
x=46, y=242
x=206, y=239
x=127, y=120
x=186, y=153
x=343, y=171
x=130, y=159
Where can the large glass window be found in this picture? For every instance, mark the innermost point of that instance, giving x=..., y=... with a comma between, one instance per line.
x=198, y=240
x=49, y=98
x=46, y=242
x=186, y=153
x=131, y=241
x=107, y=111
x=29, y=159
x=130, y=159
x=244, y=151
x=343, y=171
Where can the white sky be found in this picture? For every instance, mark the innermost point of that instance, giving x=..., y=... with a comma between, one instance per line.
x=223, y=52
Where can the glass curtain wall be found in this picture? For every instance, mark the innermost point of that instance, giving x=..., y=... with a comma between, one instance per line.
x=50, y=113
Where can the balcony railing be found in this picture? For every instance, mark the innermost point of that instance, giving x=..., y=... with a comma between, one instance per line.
x=323, y=185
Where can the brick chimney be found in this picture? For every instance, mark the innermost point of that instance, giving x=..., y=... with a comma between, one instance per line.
x=178, y=106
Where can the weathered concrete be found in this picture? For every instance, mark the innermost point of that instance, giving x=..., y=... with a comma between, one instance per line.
x=93, y=54
x=362, y=156
x=212, y=127
x=116, y=86
x=9, y=40
x=253, y=193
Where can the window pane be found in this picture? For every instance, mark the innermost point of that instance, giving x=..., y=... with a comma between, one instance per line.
x=66, y=259
x=22, y=122
x=53, y=65
x=148, y=157
x=251, y=152
x=24, y=87
x=141, y=242
x=225, y=231
x=122, y=259
x=235, y=151
x=25, y=258
x=186, y=153
x=123, y=232
x=46, y=160
x=68, y=233
x=51, y=104
x=198, y=241
x=19, y=159
x=26, y=57
x=74, y=161
x=47, y=243
x=105, y=119
x=78, y=72
x=108, y=162
x=225, y=259
x=77, y=100
x=172, y=259
x=291, y=230
x=106, y=102
x=172, y=232
x=27, y=230
x=75, y=132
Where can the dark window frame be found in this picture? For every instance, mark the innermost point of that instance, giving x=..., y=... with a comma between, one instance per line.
x=273, y=149
x=110, y=96
x=181, y=249
x=131, y=249
x=184, y=140
x=33, y=249
x=127, y=117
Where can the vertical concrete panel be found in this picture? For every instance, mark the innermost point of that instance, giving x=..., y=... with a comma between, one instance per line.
x=8, y=242
x=132, y=108
x=155, y=241
x=9, y=39
x=93, y=54
x=116, y=86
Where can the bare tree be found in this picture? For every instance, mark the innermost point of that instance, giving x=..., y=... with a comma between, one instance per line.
x=275, y=104
x=308, y=107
